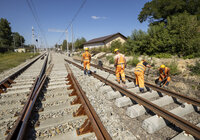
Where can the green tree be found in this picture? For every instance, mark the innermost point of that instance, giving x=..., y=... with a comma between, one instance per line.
x=158, y=10
x=184, y=33
x=79, y=43
x=64, y=45
x=117, y=44
x=18, y=40
x=5, y=35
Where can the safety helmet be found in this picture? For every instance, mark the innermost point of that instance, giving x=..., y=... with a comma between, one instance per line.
x=86, y=49
x=116, y=50
x=162, y=66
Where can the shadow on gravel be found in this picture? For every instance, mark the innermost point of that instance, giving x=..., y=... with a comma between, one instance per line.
x=34, y=119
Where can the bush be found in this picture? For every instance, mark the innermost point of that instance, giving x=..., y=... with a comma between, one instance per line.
x=163, y=55
x=195, y=70
x=105, y=49
x=133, y=62
x=173, y=68
x=110, y=58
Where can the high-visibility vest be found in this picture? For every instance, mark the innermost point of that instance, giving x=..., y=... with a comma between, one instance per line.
x=140, y=67
x=120, y=60
x=86, y=56
x=165, y=71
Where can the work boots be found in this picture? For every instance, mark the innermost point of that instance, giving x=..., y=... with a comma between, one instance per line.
x=85, y=72
x=124, y=84
x=141, y=90
x=89, y=72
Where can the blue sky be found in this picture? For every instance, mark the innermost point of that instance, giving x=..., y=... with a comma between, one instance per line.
x=97, y=18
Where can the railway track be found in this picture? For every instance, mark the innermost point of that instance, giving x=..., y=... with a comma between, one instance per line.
x=62, y=96
x=6, y=83
x=150, y=103
x=15, y=89
x=56, y=108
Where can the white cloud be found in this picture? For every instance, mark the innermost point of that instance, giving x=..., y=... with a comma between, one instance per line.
x=96, y=17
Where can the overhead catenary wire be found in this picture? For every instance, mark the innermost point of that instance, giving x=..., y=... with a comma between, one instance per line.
x=74, y=17
x=35, y=16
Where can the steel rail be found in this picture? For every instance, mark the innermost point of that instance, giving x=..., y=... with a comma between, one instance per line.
x=187, y=99
x=9, y=80
x=178, y=121
x=97, y=125
x=19, y=128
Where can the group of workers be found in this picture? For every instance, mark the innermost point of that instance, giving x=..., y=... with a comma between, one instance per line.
x=139, y=71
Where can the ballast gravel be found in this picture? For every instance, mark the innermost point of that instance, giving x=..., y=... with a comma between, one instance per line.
x=103, y=107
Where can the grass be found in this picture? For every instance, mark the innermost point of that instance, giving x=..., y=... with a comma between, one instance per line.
x=163, y=55
x=133, y=62
x=110, y=58
x=173, y=68
x=195, y=70
x=10, y=60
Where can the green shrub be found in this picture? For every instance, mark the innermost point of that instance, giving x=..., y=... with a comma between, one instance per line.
x=133, y=62
x=110, y=58
x=163, y=55
x=195, y=70
x=105, y=49
x=173, y=68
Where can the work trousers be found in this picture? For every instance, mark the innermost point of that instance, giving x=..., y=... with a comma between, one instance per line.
x=86, y=63
x=120, y=72
x=139, y=79
x=166, y=82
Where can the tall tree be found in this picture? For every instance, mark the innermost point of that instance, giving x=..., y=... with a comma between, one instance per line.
x=18, y=40
x=184, y=33
x=5, y=35
x=79, y=43
x=64, y=45
x=158, y=10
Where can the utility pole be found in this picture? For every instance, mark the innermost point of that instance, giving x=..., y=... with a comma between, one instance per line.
x=33, y=39
x=72, y=39
x=67, y=43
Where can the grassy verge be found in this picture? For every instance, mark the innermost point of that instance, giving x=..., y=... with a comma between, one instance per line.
x=10, y=60
x=173, y=68
x=110, y=58
x=195, y=70
x=133, y=62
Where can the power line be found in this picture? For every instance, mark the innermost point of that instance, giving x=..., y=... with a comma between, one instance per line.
x=76, y=14
x=34, y=13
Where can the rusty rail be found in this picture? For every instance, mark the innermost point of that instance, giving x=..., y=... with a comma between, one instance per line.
x=18, y=130
x=178, y=121
x=187, y=99
x=4, y=84
x=93, y=123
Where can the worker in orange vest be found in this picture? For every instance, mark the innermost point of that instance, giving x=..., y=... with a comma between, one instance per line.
x=164, y=78
x=86, y=58
x=120, y=64
x=139, y=74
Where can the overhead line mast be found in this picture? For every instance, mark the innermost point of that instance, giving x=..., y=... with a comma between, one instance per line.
x=76, y=14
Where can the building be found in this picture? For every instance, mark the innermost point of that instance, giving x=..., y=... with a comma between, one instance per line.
x=105, y=41
x=20, y=50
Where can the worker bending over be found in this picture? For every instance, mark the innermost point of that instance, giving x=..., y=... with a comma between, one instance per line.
x=139, y=74
x=86, y=58
x=120, y=64
x=164, y=78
